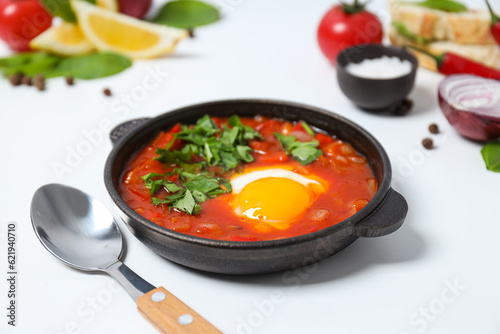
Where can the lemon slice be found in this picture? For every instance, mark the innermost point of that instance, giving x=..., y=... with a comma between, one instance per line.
x=110, y=31
x=111, y=5
x=65, y=39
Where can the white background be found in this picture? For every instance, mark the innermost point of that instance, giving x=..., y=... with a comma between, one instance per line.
x=261, y=49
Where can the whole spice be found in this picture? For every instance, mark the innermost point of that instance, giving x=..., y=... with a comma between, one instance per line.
x=433, y=128
x=16, y=79
x=495, y=23
x=70, y=80
x=39, y=82
x=428, y=143
x=450, y=63
x=26, y=80
x=107, y=92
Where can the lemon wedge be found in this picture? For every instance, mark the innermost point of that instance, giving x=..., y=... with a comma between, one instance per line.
x=111, y=5
x=65, y=39
x=110, y=31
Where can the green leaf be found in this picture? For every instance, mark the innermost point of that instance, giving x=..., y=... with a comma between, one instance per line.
x=491, y=156
x=444, y=5
x=229, y=160
x=229, y=137
x=243, y=153
x=206, y=126
x=20, y=59
x=173, y=157
x=186, y=203
x=61, y=8
x=202, y=184
x=285, y=141
x=303, y=152
x=92, y=66
x=31, y=65
x=186, y=14
x=172, y=187
x=149, y=176
x=199, y=196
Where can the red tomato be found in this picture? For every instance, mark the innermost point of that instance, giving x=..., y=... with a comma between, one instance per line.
x=339, y=30
x=21, y=21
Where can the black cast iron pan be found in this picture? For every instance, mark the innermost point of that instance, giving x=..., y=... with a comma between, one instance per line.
x=384, y=214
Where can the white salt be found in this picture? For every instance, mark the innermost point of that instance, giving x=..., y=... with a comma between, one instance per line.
x=380, y=68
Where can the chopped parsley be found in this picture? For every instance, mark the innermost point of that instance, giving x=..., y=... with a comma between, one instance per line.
x=225, y=147
x=303, y=152
x=192, y=190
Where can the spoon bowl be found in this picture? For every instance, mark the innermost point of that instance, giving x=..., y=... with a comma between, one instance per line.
x=76, y=228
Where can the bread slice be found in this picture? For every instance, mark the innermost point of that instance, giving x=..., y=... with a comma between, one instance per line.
x=472, y=27
x=488, y=55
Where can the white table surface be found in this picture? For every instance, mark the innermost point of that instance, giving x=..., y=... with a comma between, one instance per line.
x=439, y=273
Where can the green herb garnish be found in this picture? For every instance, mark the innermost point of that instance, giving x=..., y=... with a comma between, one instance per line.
x=303, y=152
x=192, y=190
x=491, y=156
x=186, y=14
x=227, y=147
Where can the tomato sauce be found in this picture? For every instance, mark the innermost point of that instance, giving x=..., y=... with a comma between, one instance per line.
x=351, y=185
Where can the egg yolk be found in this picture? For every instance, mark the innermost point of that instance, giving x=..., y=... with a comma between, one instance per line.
x=274, y=200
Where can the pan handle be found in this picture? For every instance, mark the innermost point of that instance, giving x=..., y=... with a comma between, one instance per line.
x=123, y=128
x=387, y=218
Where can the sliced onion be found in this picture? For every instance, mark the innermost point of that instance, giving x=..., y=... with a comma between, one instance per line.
x=472, y=105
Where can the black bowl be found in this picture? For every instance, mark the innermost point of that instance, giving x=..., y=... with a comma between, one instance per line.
x=374, y=94
x=382, y=215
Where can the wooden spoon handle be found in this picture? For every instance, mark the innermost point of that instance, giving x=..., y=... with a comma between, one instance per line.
x=170, y=315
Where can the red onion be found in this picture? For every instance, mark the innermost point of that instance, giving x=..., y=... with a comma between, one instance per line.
x=472, y=105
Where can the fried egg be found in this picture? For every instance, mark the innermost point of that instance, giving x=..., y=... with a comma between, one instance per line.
x=277, y=196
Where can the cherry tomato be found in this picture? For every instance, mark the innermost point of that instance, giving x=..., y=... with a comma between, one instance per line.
x=347, y=25
x=21, y=21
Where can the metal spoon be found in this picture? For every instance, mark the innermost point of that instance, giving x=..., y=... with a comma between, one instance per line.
x=81, y=232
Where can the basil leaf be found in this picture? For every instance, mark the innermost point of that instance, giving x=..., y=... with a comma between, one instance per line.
x=186, y=14
x=96, y=65
x=491, y=156
x=20, y=59
x=444, y=5
x=37, y=63
x=61, y=8
x=186, y=203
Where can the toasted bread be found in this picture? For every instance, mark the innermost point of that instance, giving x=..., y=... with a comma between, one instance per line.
x=471, y=27
x=488, y=55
